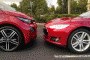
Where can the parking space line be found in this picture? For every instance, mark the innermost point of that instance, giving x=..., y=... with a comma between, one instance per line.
x=70, y=56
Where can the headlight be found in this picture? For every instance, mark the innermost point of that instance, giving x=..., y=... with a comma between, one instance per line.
x=60, y=26
x=26, y=20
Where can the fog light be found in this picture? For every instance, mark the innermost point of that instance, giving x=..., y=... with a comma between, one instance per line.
x=55, y=39
x=32, y=29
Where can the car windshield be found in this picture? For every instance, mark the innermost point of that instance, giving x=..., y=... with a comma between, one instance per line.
x=86, y=14
x=4, y=6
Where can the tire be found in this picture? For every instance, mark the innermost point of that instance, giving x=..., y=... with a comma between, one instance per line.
x=10, y=38
x=79, y=41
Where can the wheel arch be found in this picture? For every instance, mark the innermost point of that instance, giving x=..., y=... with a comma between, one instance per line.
x=2, y=25
x=83, y=27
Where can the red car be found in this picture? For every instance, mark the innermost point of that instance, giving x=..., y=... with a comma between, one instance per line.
x=73, y=32
x=15, y=28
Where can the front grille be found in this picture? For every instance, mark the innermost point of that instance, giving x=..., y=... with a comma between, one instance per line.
x=53, y=39
x=45, y=31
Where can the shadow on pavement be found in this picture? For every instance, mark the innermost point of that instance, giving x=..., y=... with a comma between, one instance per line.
x=56, y=47
x=29, y=46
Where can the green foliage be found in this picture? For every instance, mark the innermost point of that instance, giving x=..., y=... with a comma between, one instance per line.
x=18, y=9
x=76, y=8
x=63, y=7
x=52, y=8
x=14, y=5
x=80, y=7
x=59, y=10
x=38, y=7
x=59, y=2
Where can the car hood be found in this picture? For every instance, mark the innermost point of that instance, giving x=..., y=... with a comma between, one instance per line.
x=19, y=14
x=63, y=20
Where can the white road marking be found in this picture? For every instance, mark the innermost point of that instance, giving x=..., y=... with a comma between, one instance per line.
x=70, y=56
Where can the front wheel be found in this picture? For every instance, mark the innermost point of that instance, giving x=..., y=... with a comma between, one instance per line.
x=10, y=38
x=79, y=41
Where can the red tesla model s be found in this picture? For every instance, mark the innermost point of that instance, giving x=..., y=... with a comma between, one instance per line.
x=15, y=28
x=72, y=32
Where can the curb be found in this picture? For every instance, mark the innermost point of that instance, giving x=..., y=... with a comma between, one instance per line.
x=40, y=23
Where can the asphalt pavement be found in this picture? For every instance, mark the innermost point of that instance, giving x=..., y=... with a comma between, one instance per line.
x=39, y=49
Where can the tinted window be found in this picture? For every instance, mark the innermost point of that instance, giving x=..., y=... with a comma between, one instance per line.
x=86, y=14
x=4, y=6
x=1, y=7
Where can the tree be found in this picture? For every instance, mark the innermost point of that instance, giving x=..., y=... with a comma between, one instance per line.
x=52, y=8
x=58, y=10
x=59, y=2
x=64, y=5
x=74, y=7
x=39, y=7
x=14, y=5
x=82, y=5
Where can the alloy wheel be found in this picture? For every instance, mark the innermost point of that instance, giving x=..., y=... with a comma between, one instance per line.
x=9, y=39
x=80, y=41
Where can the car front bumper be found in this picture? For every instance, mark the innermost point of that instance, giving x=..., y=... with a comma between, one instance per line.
x=28, y=35
x=51, y=33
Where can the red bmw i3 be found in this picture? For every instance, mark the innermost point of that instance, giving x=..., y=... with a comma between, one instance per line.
x=15, y=28
x=73, y=32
